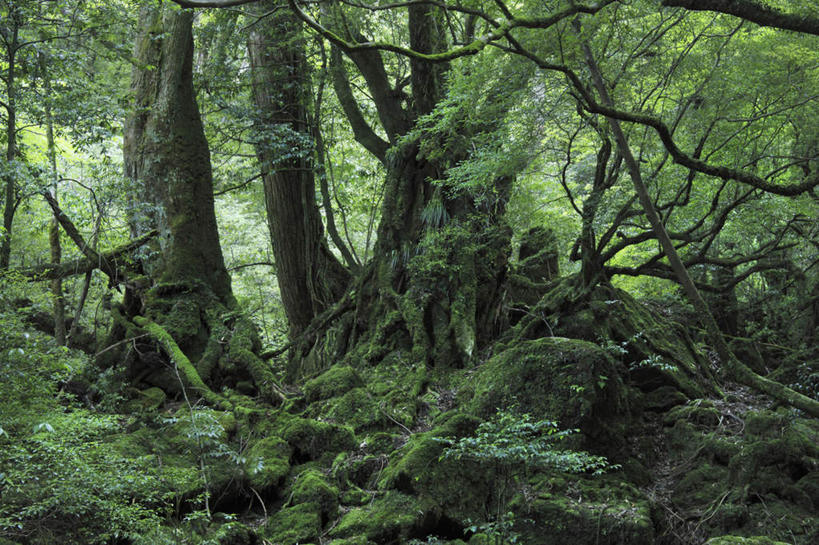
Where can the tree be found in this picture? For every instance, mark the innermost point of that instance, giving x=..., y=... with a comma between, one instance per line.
x=186, y=301
x=310, y=277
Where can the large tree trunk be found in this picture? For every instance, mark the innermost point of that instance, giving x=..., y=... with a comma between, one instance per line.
x=310, y=277
x=166, y=153
x=433, y=290
x=185, y=303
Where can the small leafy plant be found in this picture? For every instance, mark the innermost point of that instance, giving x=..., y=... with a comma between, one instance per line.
x=511, y=444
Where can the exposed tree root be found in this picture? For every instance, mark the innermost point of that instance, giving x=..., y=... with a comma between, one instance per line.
x=183, y=364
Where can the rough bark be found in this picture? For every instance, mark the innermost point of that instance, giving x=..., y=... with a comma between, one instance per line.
x=310, y=277
x=9, y=179
x=167, y=155
x=185, y=303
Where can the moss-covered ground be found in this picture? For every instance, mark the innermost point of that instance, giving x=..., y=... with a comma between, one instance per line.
x=360, y=453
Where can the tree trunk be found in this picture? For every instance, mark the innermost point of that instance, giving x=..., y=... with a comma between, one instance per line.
x=9, y=176
x=310, y=277
x=187, y=298
x=53, y=227
x=166, y=153
x=433, y=290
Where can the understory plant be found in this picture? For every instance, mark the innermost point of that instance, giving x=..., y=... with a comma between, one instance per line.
x=512, y=444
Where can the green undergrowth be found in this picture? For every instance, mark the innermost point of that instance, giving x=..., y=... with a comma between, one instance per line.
x=746, y=469
x=523, y=445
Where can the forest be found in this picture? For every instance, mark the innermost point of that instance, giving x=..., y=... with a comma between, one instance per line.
x=442, y=272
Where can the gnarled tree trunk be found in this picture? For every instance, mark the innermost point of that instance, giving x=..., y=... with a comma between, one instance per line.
x=186, y=292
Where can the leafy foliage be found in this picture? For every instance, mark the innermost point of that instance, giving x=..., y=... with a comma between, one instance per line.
x=516, y=441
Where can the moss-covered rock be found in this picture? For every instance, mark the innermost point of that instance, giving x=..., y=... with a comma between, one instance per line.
x=559, y=510
x=332, y=383
x=312, y=486
x=357, y=409
x=268, y=462
x=809, y=485
x=663, y=399
x=737, y=540
x=572, y=382
x=293, y=525
x=459, y=488
x=700, y=412
x=658, y=351
x=150, y=399
x=311, y=439
x=359, y=470
x=390, y=518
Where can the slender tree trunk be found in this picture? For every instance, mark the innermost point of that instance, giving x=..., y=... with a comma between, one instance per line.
x=9, y=176
x=53, y=227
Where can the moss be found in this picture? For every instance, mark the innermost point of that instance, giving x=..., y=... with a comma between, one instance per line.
x=312, y=487
x=268, y=462
x=455, y=424
x=701, y=486
x=355, y=540
x=381, y=442
x=765, y=423
x=460, y=487
x=583, y=510
x=311, y=438
x=357, y=409
x=355, y=496
x=809, y=485
x=388, y=519
x=186, y=369
x=293, y=525
x=150, y=399
x=333, y=382
x=737, y=540
x=359, y=470
x=572, y=382
x=663, y=399
x=701, y=413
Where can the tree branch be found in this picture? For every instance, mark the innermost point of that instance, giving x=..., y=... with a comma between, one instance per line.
x=753, y=11
x=52, y=271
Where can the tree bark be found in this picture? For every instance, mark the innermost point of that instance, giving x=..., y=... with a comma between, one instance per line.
x=167, y=155
x=310, y=277
x=9, y=178
x=186, y=304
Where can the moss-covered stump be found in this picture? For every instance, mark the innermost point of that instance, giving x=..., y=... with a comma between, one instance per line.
x=572, y=382
x=743, y=472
